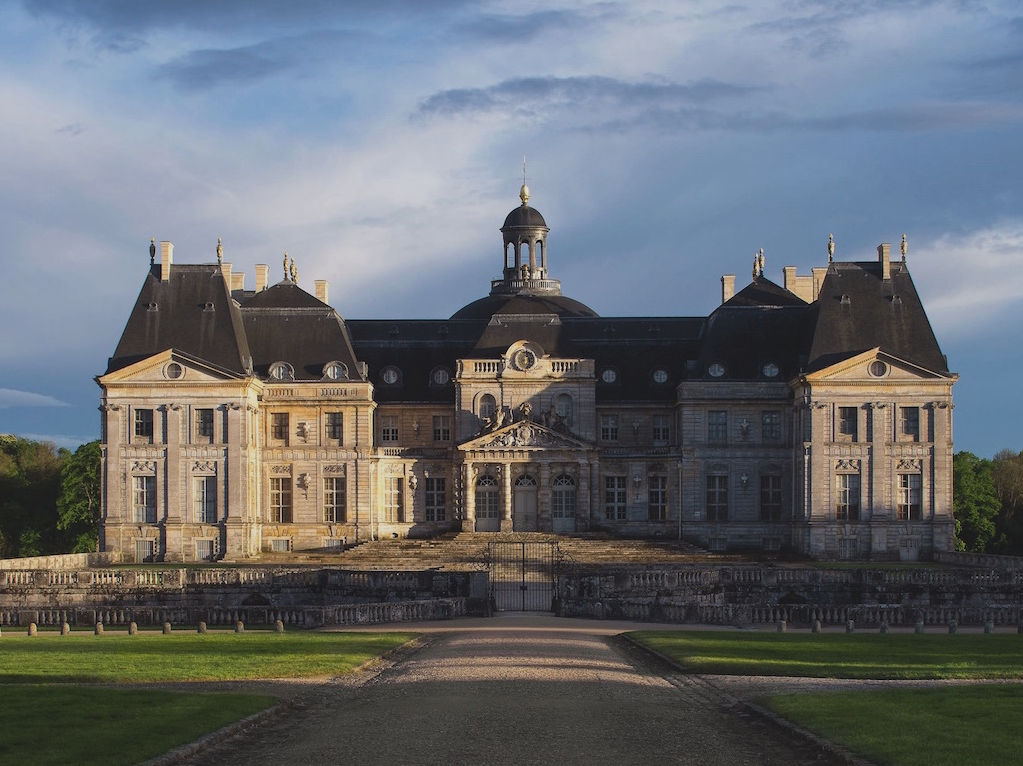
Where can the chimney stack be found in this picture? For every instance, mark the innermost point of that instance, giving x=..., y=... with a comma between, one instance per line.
x=166, y=258
x=262, y=276
x=225, y=269
x=238, y=281
x=727, y=286
x=321, y=290
x=884, y=251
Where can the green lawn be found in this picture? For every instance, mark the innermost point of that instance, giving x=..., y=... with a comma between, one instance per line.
x=42, y=725
x=215, y=656
x=951, y=726
x=842, y=655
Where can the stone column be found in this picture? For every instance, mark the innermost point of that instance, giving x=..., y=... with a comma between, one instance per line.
x=176, y=485
x=543, y=500
x=584, y=510
x=507, y=525
x=115, y=509
x=468, y=497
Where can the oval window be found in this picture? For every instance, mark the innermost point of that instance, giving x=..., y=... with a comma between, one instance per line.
x=716, y=370
x=609, y=375
x=878, y=369
x=440, y=376
x=174, y=371
x=770, y=370
x=390, y=375
x=660, y=376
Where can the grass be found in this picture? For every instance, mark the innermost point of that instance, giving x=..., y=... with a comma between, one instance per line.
x=214, y=656
x=960, y=725
x=45, y=725
x=842, y=655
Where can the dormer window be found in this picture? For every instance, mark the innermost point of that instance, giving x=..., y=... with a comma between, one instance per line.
x=208, y=306
x=440, y=376
x=660, y=376
x=609, y=375
x=390, y=375
x=281, y=371
x=770, y=370
x=716, y=370
x=335, y=371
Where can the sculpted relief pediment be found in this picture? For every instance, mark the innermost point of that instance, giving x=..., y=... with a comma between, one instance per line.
x=525, y=434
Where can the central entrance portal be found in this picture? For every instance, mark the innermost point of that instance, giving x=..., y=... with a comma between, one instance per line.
x=522, y=576
x=524, y=504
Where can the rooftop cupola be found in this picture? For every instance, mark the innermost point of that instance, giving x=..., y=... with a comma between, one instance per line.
x=525, y=252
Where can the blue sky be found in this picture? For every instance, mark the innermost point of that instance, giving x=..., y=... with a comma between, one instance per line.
x=381, y=144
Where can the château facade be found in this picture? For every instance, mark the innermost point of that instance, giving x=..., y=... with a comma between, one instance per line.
x=813, y=416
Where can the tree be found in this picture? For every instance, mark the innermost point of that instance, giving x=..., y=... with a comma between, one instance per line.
x=975, y=503
x=29, y=476
x=78, y=504
x=1008, y=478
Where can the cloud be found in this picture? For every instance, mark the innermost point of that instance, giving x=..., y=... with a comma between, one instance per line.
x=971, y=278
x=11, y=397
x=500, y=28
x=58, y=440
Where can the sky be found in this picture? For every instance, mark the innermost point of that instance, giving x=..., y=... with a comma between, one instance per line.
x=381, y=144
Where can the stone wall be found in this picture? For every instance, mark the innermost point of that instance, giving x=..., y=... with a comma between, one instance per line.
x=62, y=561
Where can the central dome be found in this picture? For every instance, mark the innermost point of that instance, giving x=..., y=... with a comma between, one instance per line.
x=525, y=216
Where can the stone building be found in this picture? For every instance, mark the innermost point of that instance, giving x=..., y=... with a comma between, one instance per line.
x=814, y=416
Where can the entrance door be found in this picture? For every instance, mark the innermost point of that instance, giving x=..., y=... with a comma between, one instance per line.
x=524, y=504
x=522, y=576
x=488, y=506
x=563, y=505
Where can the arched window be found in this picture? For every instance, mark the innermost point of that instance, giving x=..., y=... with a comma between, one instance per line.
x=487, y=496
x=525, y=481
x=563, y=408
x=487, y=408
x=563, y=499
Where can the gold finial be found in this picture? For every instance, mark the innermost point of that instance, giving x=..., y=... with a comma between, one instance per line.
x=152, y=251
x=294, y=271
x=285, y=264
x=755, y=258
x=220, y=252
x=831, y=247
x=760, y=261
x=524, y=191
x=904, y=247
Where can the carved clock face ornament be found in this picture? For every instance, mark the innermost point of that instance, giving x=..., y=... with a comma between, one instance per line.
x=524, y=359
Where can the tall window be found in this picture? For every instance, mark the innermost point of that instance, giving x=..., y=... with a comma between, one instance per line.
x=394, y=499
x=847, y=422
x=279, y=427
x=204, y=426
x=442, y=428
x=770, y=498
x=609, y=428
x=280, y=500
x=205, y=499
x=770, y=426
x=488, y=408
x=615, y=508
x=487, y=496
x=144, y=426
x=909, y=422
x=717, y=426
x=144, y=499
x=717, y=497
x=563, y=498
x=909, y=497
x=436, y=498
x=661, y=429
x=847, y=507
x=657, y=498
x=335, y=500
x=335, y=426
x=563, y=408
x=389, y=428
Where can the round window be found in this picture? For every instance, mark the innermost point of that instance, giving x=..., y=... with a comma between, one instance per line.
x=660, y=376
x=440, y=376
x=174, y=371
x=280, y=371
x=878, y=369
x=390, y=375
x=716, y=370
x=770, y=370
x=335, y=371
x=609, y=375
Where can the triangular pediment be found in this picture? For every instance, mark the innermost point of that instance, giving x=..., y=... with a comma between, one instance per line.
x=524, y=435
x=860, y=368
x=159, y=368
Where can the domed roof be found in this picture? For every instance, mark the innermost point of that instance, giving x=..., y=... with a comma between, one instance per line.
x=484, y=308
x=525, y=216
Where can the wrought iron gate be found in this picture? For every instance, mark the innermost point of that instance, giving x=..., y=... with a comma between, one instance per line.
x=522, y=576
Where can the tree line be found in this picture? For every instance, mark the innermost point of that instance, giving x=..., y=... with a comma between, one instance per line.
x=50, y=499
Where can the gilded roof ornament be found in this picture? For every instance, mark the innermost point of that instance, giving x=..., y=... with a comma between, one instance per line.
x=904, y=247
x=220, y=252
x=758, y=263
x=285, y=264
x=152, y=251
x=294, y=271
x=831, y=248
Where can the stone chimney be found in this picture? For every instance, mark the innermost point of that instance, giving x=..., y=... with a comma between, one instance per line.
x=727, y=286
x=262, y=276
x=225, y=269
x=166, y=258
x=238, y=281
x=819, y=272
x=321, y=290
x=884, y=257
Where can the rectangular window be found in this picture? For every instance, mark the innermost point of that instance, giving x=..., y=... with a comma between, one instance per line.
x=145, y=551
x=206, y=550
x=614, y=498
x=657, y=498
x=334, y=427
x=280, y=500
x=770, y=498
x=442, y=428
x=661, y=429
x=717, y=497
x=205, y=499
x=436, y=499
x=848, y=502
x=279, y=427
x=280, y=545
x=909, y=497
x=847, y=422
x=609, y=428
x=909, y=422
x=144, y=499
x=717, y=426
x=770, y=426
x=394, y=499
x=204, y=426
x=389, y=428
x=144, y=426
x=335, y=500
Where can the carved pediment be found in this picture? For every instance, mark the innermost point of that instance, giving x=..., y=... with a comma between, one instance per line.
x=524, y=434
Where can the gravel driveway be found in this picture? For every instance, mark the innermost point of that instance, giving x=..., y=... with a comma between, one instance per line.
x=513, y=690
